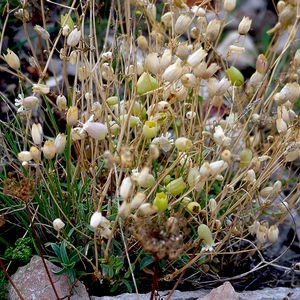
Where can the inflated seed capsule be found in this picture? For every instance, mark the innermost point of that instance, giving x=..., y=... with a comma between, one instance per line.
x=194, y=208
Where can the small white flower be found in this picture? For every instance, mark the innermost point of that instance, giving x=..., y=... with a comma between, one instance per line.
x=164, y=142
x=19, y=103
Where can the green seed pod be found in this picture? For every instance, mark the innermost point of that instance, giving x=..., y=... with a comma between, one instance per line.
x=194, y=208
x=235, y=76
x=176, y=186
x=146, y=83
x=150, y=129
x=160, y=201
x=205, y=234
x=245, y=158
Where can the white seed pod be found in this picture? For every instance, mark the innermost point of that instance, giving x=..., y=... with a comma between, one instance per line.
x=12, y=59
x=256, y=79
x=198, y=11
x=283, y=206
x=244, y=26
x=189, y=80
x=95, y=219
x=66, y=30
x=192, y=176
x=236, y=49
x=77, y=134
x=146, y=209
x=37, y=133
x=73, y=58
x=183, y=144
x=167, y=19
x=24, y=156
x=96, y=130
x=250, y=176
x=210, y=71
x=181, y=93
x=281, y=126
x=262, y=234
x=172, y=73
x=182, y=24
x=74, y=37
x=290, y=92
x=283, y=113
x=254, y=227
x=40, y=88
x=61, y=102
x=205, y=169
x=190, y=115
x=194, y=33
x=212, y=30
x=200, y=69
x=195, y=58
x=42, y=32
x=49, y=149
x=58, y=224
x=35, y=153
x=182, y=50
x=273, y=233
x=142, y=43
x=212, y=205
x=226, y=155
x=60, y=143
x=202, y=23
x=72, y=115
x=96, y=110
x=126, y=188
x=166, y=59
x=292, y=155
x=229, y=5
x=137, y=200
x=218, y=166
x=142, y=176
x=152, y=63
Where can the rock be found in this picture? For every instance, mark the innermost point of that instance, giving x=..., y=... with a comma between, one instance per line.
x=223, y=292
x=33, y=283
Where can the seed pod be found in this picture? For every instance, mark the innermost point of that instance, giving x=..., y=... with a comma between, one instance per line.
x=290, y=92
x=60, y=143
x=142, y=43
x=194, y=208
x=218, y=166
x=146, y=209
x=146, y=83
x=58, y=224
x=244, y=26
x=42, y=32
x=205, y=234
x=61, y=102
x=160, y=201
x=180, y=3
x=229, y=5
x=166, y=59
x=183, y=144
x=74, y=37
x=37, y=133
x=212, y=30
x=189, y=80
x=261, y=64
x=182, y=50
x=72, y=116
x=210, y=71
x=167, y=19
x=152, y=63
x=182, y=24
x=262, y=234
x=112, y=100
x=137, y=200
x=192, y=176
x=212, y=205
x=281, y=126
x=12, y=59
x=273, y=233
x=235, y=76
x=150, y=129
x=226, y=155
x=49, y=149
x=24, y=156
x=35, y=153
x=176, y=186
x=126, y=188
x=236, y=49
x=205, y=169
x=245, y=158
x=40, y=88
x=95, y=219
x=172, y=73
x=195, y=58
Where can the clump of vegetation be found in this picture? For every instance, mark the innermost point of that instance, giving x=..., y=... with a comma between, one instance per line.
x=139, y=147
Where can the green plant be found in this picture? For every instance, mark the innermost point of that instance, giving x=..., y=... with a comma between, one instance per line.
x=22, y=251
x=3, y=286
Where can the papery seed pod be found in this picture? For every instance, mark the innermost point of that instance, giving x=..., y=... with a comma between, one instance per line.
x=172, y=73
x=205, y=169
x=176, y=186
x=283, y=113
x=22, y=14
x=137, y=200
x=95, y=219
x=24, y=156
x=189, y=80
x=183, y=144
x=182, y=24
x=200, y=69
x=194, y=33
x=182, y=50
x=192, y=176
x=42, y=32
x=166, y=59
x=150, y=129
x=126, y=188
x=296, y=60
x=133, y=121
x=152, y=63
x=292, y=155
x=60, y=143
x=40, y=88
x=212, y=205
x=61, y=102
x=222, y=86
x=212, y=30
x=256, y=79
x=146, y=209
x=205, y=234
x=73, y=58
x=160, y=201
x=35, y=153
x=290, y=92
x=210, y=71
x=58, y=224
x=167, y=19
x=72, y=116
x=261, y=64
x=151, y=12
x=226, y=155
x=254, y=227
x=281, y=5
x=287, y=14
x=262, y=234
x=195, y=58
x=273, y=233
x=236, y=49
x=12, y=59
x=49, y=149
x=244, y=26
x=66, y=30
x=218, y=166
x=245, y=158
x=267, y=192
x=194, y=208
x=250, y=176
x=37, y=133
x=190, y=115
x=74, y=37
x=235, y=76
x=283, y=206
x=198, y=11
x=97, y=131
x=112, y=100
x=105, y=233
x=146, y=83
x=142, y=176
x=142, y=43
x=229, y=5
x=149, y=182
x=77, y=134
x=181, y=93
x=163, y=106
x=96, y=110
x=281, y=126
x=180, y=3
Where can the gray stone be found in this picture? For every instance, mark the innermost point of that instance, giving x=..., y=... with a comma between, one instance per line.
x=223, y=292
x=33, y=283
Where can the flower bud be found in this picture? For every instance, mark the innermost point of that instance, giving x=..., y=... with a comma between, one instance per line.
x=176, y=186
x=58, y=224
x=229, y=5
x=273, y=233
x=37, y=133
x=42, y=32
x=24, y=156
x=72, y=116
x=160, y=201
x=40, y=88
x=212, y=30
x=142, y=43
x=74, y=37
x=146, y=83
x=183, y=144
x=49, y=149
x=126, y=188
x=205, y=234
x=35, y=153
x=182, y=24
x=60, y=143
x=97, y=131
x=150, y=129
x=96, y=219
x=61, y=102
x=195, y=58
x=173, y=72
x=12, y=59
x=189, y=80
x=235, y=76
x=244, y=26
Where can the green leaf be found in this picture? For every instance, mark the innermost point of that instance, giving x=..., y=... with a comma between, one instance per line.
x=63, y=253
x=59, y=272
x=55, y=248
x=110, y=272
x=146, y=261
x=129, y=288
